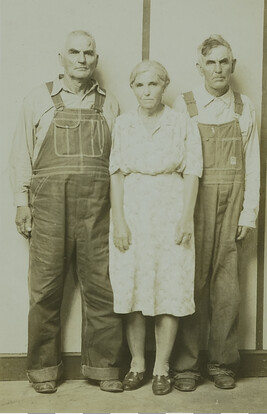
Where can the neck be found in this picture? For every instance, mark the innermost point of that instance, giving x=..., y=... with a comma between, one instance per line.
x=151, y=112
x=77, y=86
x=217, y=92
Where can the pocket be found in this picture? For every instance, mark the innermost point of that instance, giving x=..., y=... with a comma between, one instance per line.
x=231, y=154
x=83, y=138
x=66, y=137
x=92, y=137
x=209, y=152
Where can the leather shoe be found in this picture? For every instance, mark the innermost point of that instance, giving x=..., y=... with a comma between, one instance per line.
x=111, y=385
x=224, y=381
x=161, y=384
x=47, y=387
x=185, y=384
x=133, y=380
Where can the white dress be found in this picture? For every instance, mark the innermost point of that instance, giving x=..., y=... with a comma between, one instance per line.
x=155, y=276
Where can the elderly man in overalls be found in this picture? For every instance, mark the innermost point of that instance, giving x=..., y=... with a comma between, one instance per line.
x=226, y=209
x=60, y=177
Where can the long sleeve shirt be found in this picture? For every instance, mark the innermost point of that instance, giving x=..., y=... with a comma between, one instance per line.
x=33, y=123
x=219, y=110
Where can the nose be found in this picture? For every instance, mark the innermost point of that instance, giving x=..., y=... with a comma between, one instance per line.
x=81, y=57
x=146, y=90
x=218, y=67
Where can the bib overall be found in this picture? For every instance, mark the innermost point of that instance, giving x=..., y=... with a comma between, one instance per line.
x=69, y=198
x=218, y=206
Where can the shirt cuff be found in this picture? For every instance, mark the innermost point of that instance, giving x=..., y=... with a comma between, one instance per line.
x=247, y=219
x=193, y=171
x=21, y=199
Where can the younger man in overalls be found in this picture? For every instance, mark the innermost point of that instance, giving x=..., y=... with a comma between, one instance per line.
x=60, y=177
x=226, y=209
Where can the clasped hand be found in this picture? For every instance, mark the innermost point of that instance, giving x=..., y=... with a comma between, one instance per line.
x=184, y=231
x=122, y=237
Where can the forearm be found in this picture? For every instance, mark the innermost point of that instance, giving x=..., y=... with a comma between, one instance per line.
x=117, y=195
x=189, y=196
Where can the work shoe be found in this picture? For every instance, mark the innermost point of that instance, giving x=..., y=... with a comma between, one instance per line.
x=224, y=381
x=111, y=385
x=185, y=384
x=47, y=387
x=161, y=384
x=133, y=380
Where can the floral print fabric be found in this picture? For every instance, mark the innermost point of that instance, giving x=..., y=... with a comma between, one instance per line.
x=155, y=276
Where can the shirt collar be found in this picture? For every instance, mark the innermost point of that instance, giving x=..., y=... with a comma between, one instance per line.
x=59, y=85
x=205, y=98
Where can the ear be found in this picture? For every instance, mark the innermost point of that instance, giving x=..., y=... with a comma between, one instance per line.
x=96, y=62
x=60, y=59
x=233, y=65
x=199, y=68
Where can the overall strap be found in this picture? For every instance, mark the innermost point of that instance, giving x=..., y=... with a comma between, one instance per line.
x=190, y=103
x=57, y=100
x=238, y=103
x=99, y=100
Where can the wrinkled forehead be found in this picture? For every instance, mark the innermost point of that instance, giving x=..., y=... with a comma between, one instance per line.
x=79, y=42
x=218, y=53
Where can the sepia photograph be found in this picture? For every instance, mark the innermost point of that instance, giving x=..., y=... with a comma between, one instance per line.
x=133, y=209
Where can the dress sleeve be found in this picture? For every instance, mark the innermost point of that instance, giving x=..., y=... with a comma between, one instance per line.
x=193, y=149
x=115, y=155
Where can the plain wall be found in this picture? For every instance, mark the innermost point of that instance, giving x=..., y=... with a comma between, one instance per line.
x=32, y=32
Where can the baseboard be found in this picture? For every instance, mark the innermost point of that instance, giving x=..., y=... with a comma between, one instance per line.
x=13, y=366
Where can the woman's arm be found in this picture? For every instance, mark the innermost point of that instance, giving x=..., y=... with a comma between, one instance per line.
x=121, y=231
x=185, y=226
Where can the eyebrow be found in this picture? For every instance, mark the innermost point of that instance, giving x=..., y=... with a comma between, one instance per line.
x=221, y=60
x=78, y=51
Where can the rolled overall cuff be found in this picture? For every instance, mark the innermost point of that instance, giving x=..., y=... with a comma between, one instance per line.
x=100, y=373
x=45, y=374
x=187, y=374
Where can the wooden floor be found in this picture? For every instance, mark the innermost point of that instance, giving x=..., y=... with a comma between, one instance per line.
x=250, y=396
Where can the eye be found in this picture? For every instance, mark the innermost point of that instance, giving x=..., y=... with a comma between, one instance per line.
x=138, y=85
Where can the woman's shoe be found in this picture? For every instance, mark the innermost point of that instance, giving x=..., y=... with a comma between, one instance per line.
x=133, y=380
x=161, y=384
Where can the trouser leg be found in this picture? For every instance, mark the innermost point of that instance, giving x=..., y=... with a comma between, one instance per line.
x=224, y=285
x=101, y=327
x=46, y=280
x=192, y=329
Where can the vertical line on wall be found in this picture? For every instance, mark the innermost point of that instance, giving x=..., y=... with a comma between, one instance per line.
x=146, y=29
x=261, y=219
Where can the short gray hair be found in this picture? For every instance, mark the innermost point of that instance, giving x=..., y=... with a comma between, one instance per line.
x=153, y=65
x=213, y=41
x=81, y=33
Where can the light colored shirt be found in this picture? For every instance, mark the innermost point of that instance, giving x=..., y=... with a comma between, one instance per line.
x=219, y=110
x=173, y=147
x=34, y=121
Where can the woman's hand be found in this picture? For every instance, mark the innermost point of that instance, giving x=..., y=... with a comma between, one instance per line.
x=122, y=237
x=184, y=231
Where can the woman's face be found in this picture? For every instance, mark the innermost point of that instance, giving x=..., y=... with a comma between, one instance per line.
x=148, y=89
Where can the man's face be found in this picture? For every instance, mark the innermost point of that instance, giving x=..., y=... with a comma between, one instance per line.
x=217, y=67
x=79, y=57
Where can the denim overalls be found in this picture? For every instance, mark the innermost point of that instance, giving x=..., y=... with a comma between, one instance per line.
x=218, y=207
x=70, y=203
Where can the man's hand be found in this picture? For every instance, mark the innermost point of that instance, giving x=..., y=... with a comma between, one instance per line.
x=184, y=231
x=242, y=232
x=122, y=237
x=24, y=221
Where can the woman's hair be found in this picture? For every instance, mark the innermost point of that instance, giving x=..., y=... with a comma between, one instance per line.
x=147, y=65
x=213, y=41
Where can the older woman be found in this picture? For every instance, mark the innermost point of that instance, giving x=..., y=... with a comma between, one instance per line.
x=155, y=164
